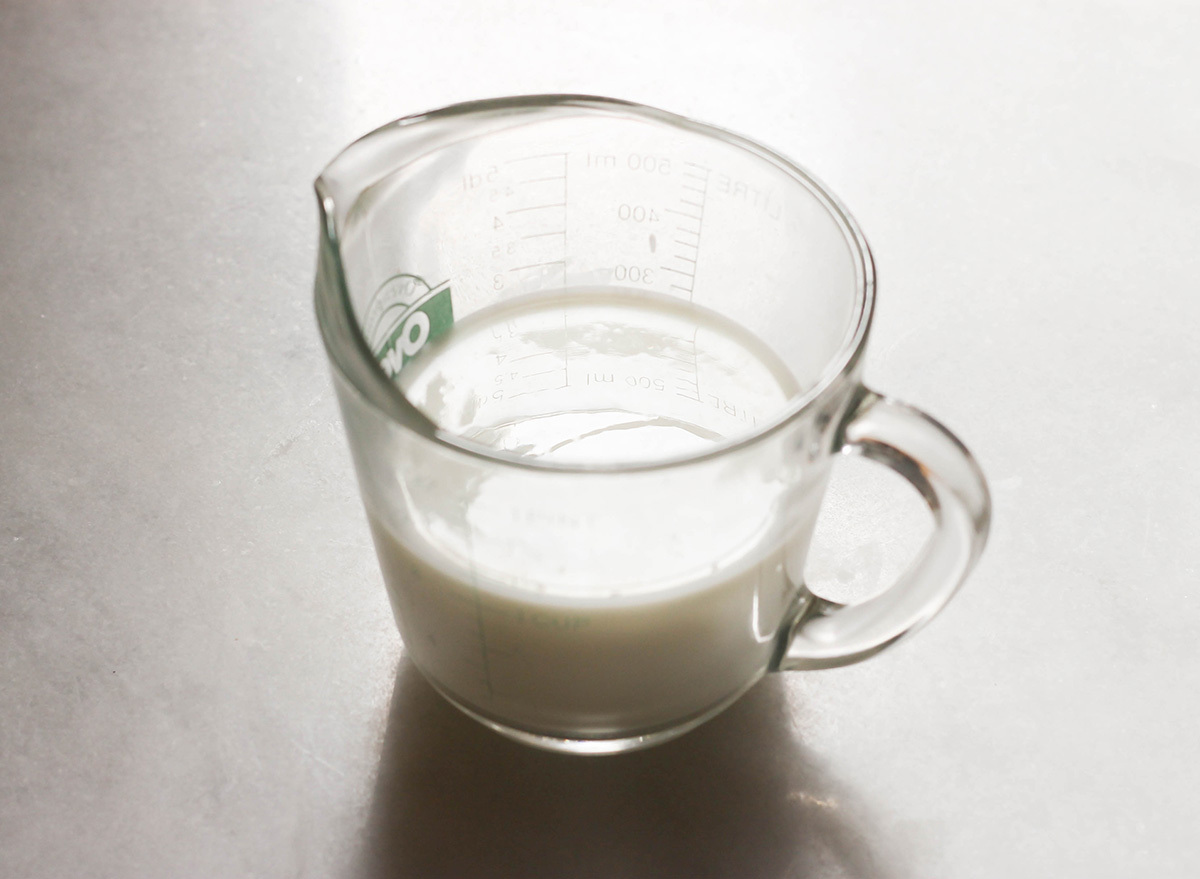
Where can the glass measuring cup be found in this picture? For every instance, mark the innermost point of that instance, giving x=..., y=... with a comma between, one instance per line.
x=595, y=361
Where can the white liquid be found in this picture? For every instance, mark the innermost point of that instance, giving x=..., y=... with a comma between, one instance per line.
x=597, y=605
x=598, y=376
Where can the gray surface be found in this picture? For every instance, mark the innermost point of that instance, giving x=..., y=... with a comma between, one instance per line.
x=199, y=675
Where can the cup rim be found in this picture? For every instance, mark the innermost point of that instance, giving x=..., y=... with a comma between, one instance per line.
x=351, y=357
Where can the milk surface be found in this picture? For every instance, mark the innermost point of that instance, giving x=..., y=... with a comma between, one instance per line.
x=590, y=606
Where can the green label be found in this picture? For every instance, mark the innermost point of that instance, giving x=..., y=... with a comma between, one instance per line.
x=407, y=314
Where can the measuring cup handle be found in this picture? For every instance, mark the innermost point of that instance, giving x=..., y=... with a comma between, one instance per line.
x=828, y=634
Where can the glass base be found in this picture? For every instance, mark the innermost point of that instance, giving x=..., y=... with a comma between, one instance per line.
x=598, y=746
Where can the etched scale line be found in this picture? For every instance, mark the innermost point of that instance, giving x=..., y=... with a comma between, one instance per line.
x=538, y=265
x=538, y=218
x=687, y=257
x=691, y=257
x=533, y=158
x=538, y=207
x=566, y=350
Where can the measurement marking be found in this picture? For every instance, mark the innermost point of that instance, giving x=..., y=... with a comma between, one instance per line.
x=542, y=179
x=695, y=397
x=566, y=167
x=566, y=348
x=528, y=356
x=681, y=213
x=543, y=372
x=544, y=234
x=684, y=289
x=538, y=265
x=701, y=174
x=562, y=156
x=539, y=207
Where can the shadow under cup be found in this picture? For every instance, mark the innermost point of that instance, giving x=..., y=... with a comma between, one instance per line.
x=594, y=361
x=740, y=797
